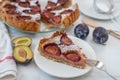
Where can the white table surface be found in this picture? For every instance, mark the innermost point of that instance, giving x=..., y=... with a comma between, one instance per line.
x=109, y=54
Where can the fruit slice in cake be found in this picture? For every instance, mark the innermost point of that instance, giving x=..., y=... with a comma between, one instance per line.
x=58, y=4
x=22, y=14
x=60, y=48
x=61, y=13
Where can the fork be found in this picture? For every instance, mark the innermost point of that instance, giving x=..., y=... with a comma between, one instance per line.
x=100, y=66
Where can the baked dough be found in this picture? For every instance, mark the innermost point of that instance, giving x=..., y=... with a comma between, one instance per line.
x=60, y=48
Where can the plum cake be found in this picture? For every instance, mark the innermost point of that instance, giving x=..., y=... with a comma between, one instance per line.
x=60, y=48
x=27, y=14
x=22, y=14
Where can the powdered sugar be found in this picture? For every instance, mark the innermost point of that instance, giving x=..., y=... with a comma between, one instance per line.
x=33, y=2
x=22, y=0
x=65, y=48
x=54, y=1
x=72, y=7
x=56, y=40
x=20, y=9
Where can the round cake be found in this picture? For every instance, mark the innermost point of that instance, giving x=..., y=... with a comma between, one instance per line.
x=27, y=14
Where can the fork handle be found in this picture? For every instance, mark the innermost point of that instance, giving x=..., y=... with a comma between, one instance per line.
x=109, y=75
x=115, y=34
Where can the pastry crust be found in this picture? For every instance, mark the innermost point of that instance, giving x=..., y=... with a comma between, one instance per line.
x=26, y=25
x=69, y=20
x=61, y=58
x=19, y=23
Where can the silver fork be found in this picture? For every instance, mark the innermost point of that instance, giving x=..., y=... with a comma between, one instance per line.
x=100, y=66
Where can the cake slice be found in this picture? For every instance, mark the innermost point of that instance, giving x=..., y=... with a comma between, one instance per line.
x=61, y=13
x=60, y=48
x=21, y=14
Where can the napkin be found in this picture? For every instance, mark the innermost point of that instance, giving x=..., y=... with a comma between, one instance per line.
x=7, y=64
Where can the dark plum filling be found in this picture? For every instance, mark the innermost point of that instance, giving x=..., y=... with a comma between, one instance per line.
x=52, y=49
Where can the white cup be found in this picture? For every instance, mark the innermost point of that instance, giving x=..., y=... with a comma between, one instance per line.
x=104, y=6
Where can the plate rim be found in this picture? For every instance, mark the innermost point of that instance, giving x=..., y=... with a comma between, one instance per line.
x=38, y=65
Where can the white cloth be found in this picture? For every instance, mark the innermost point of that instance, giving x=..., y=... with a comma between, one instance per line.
x=7, y=64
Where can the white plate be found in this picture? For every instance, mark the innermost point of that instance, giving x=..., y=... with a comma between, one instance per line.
x=86, y=7
x=61, y=70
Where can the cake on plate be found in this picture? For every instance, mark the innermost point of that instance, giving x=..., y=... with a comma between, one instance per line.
x=21, y=14
x=60, y=48
x=27, y=14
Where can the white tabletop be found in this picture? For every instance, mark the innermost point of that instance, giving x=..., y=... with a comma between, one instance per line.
x=109, y=54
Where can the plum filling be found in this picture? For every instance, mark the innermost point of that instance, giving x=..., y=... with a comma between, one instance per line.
x=24, y=4
x=15, y=1
x=10, y=8
x=65, y=40
x=47, y=15
x=52, y=49
x=24, y=17
x=57, y=19
x=50, y=5
x=36, y=8
x=72, y=56
x=30, y=12
x=62, y=2
x=66, y=11
x=24, y=9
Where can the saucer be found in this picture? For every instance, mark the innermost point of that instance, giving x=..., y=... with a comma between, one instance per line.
x=87, y=8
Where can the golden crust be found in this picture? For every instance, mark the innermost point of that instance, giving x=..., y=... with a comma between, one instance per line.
x=62, y=59
x=69, y=20
x=27, y=25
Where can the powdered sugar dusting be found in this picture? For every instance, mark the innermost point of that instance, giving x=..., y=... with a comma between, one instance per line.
x=54, y=1
x=33, y=2
x=20, y=9
x=22, y=0
x=72, y=7
x=56, y=40
x=65, y=48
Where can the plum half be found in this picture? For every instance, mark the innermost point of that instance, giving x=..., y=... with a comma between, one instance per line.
x=27, y=41
x=22, y=54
